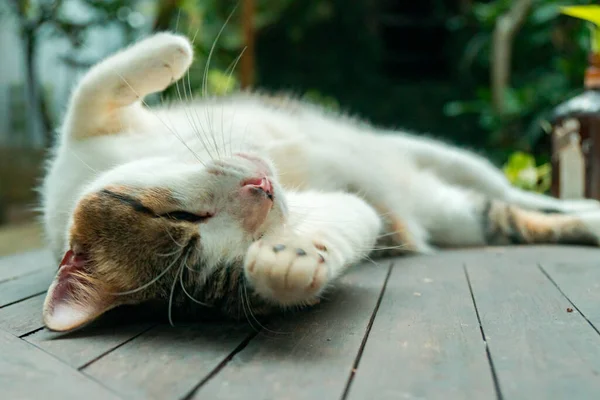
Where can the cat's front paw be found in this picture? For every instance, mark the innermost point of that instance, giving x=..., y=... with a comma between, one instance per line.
x=289, y=271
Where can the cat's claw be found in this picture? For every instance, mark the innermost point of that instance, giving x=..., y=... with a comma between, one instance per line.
x=288, y=272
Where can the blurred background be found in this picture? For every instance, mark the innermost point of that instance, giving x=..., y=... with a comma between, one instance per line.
x=480, y=74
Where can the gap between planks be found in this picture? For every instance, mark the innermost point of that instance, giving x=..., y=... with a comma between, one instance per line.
x=547, y=275
x=487, y=347
x=245, y=343
x=221, y=365
x=87, y=364
x=361, y=349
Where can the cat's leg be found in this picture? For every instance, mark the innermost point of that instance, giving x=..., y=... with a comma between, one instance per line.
x=469, y=170
x=324, y=234
x=454, y=216
x=108, y=97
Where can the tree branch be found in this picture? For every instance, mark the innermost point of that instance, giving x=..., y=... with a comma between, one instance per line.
x=29, y=28
x=505, y=30
x=247, y=69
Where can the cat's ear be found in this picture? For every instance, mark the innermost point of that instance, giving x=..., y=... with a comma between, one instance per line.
x=74, y=298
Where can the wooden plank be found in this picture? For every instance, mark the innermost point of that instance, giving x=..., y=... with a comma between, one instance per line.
x=315, y=354
x=525, y=253
x=25, y=286
x=29, y=373
x=580, y=282
x=167, y=362
x=538, y=349
x=81, y=347
x=17, y=265
x=23, y=317
x=427, y=336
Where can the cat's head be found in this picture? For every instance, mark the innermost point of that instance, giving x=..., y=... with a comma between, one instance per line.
x=135, y=227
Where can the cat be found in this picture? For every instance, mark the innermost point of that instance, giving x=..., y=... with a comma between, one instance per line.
x=253, y=203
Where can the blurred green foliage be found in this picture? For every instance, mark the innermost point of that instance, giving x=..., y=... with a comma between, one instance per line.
x=340, y=54
x=549, y=58
x=522, y=171
x=332, y=53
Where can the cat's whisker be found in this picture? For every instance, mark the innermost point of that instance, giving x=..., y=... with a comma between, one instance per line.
x=83, y=162
x=180, y=245
x=387, y=234
x=170, y=307
x=156, y=115
x=198, y=128
x=206, y=69
x=181, y=139
x=399, y=247
x=153, y=281
x=189, y=116
x=168, y=254
x=191, y=269
x=231, y=68
x=254, y=317
x=177, y=21
x=368, y=258
x=185, y=290
x=243, y=303
x=150, y=109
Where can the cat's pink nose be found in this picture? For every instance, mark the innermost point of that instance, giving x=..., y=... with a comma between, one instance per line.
x=263, y=184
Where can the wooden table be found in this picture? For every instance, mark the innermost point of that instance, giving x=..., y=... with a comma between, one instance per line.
x=508, y=323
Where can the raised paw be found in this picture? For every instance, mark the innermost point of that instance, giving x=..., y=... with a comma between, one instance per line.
x=290, y=271
x=151, y=65
x=173, y=52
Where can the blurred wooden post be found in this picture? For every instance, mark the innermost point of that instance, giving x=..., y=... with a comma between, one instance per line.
x=248, y=60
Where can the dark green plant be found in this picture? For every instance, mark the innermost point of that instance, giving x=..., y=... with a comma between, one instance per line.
x=549, y=55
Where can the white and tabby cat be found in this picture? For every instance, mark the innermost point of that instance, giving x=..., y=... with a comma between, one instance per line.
x=253, y=201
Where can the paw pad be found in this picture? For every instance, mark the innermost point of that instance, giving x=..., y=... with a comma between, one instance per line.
x=289, y=270
x=320, y=246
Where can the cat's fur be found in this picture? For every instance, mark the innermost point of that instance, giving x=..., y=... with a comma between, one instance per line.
x=251, y=203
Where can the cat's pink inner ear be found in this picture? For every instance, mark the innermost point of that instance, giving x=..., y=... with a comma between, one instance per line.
x=72, y=301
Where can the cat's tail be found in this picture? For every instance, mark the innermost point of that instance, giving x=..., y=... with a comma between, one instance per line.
x=503, y=223
x=453, y=216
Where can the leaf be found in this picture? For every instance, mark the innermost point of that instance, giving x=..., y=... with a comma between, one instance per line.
x=522, y=172
x=512, y=102
x=589, y=13
x=545, y=13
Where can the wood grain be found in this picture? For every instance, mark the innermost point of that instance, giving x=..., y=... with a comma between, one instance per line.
x=24, y=316
x=29, y=373
x=17, y=265
x=25, y=286
x=538, y=349
x=313, y=355
x=580, y=282
x=168, y=362
x=427, y=336
x=80, y=347
x=523, y=254
x=424, y=342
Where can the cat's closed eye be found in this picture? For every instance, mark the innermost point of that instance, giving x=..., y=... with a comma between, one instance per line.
x=186, y=216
